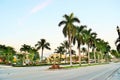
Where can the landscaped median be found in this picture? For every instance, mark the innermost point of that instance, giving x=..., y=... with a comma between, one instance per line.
x=77, y=66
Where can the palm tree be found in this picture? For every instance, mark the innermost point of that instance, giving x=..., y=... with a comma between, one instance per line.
x=94, y=47
x=103, y=49
x=88, y=35
x=93, y=44
x=115, y=53
x=98, y=48
x=84, y=50
x=60, y=50
x=106, y=51
x=79, y=38
x=34, y=55
x=65, y=44
x=42, y=44
x=25, y=48
x=69, y=29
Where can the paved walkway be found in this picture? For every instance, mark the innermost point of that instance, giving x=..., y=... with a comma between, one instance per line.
x=4, y=66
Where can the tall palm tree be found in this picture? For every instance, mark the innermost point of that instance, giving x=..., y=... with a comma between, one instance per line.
x=42, y=44
x=88, y=35
x=60, y=50
x=69, y=29
x=94, y=47
x=79, y=38
x=65, y=44
x=93, y=44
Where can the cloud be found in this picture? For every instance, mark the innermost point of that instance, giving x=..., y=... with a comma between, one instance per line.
x=40, y=6
x=34, y=10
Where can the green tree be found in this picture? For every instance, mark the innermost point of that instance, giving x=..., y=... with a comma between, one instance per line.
x=87, y=41
x=10, y=53
x=69, y=29
x=25, y=48
x=79, y=39
x=42, y=44
x=60, y=50
x=115, y=53
x=65, y=44
x=7, y=53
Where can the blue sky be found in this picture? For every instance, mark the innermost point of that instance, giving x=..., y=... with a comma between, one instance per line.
x=27, y=21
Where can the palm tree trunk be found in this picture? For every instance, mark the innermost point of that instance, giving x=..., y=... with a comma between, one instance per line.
x=98, y=55
x=65, y=57
x=94, y=55
x=88, y=55
x=70, y=51
x=60, y=57
x=79, y=56
x=41, y=56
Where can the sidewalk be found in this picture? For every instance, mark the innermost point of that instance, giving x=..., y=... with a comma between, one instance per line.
x=4, y=66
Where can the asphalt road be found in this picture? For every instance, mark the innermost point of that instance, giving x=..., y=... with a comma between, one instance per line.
x=98, y=72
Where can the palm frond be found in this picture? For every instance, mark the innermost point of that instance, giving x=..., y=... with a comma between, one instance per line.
x=75, y=20
x=66, y=17
x=65, y=31
x=62, y=23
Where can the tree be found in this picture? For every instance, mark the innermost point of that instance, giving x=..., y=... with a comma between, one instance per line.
x=7, y=53
x=115, y=53
x=25, y=48
x=65, y=44
x=69, y=29
x=10, y=52
x=34, y=55
x=84, y=50
x=87, y=35
x=79, y=39
x=60, y=50
x=42, y=44
x=93, y=44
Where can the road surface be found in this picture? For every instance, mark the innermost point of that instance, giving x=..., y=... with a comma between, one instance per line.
x=98, y=72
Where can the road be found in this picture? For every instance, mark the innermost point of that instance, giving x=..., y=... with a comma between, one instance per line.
x=98, y=72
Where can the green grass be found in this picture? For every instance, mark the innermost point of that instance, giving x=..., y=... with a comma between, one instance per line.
x=85, y=65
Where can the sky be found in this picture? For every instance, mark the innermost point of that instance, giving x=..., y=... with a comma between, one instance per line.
x=28, y=21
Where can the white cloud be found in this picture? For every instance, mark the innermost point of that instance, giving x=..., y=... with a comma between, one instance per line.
x=40, y=6
x=34, y=10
